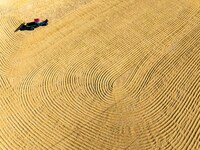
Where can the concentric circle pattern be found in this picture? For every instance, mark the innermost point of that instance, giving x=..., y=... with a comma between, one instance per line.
x=104, y=74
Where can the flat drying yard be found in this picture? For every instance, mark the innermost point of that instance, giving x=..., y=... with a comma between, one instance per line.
x=102, y=75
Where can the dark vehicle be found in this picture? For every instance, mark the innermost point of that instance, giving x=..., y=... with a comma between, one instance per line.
x=31, y=25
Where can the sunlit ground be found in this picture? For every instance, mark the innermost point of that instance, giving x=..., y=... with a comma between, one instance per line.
x=3, y=2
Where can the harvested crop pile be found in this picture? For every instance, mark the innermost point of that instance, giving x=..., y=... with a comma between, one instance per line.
x=104, y=74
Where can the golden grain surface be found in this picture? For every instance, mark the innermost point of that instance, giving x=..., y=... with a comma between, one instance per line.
x=104, y=74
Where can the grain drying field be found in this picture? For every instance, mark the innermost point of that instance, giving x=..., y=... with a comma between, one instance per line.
x=104, y=74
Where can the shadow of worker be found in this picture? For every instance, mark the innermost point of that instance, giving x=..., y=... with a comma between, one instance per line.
x=23, y=27
x=31, y=25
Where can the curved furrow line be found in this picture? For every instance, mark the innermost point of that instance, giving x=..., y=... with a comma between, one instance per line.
x=7, y=133
x=89, y=78
x=92, y=78
x=41, y=84
x=188, y=56
x=123, y=89
x=124, y=67
x=162, y=124
x=43, y=53
x=8, y=37
x=13, y=119
x=172, y=31
x=182, y=29
x=4, y=46
x=39, y=128
x=63, y=114
x=192, y=45
x=152, y=70
x=101, y=86
x=30, y=110
x=166, y=127
x=48, y=76
x=150, y=73
x=134, y=57
x=163, y=29
x=190, y=99
x=3, y=86
x=14, y=38
x=74, y=138
x=180, y=119
x=169, y=117
x=195, y=142
x=7, y=48
x=190, y=136
x=192, y=139
x=3, y=65
x=88, y=130
x=159, y=61
x=183, y=71
x=43, y=128
x=71, y=143
x=85, y=109
x=100, y=120
x=30, y=82
x=14, y=22
x=77, y=69
x=76, y=89
x=8, y=29
x=157, y=102
x=110, y=84
x=87, y=136
x=63, y=131
x=105, y=137
x=60, y=11
x=2, y=19
x=53, y=102
x=72, y=82
x=143, y=61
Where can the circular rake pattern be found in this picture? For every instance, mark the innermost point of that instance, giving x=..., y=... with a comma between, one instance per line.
x=102, y=75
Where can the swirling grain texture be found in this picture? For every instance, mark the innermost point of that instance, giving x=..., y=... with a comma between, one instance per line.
x=104, y=74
